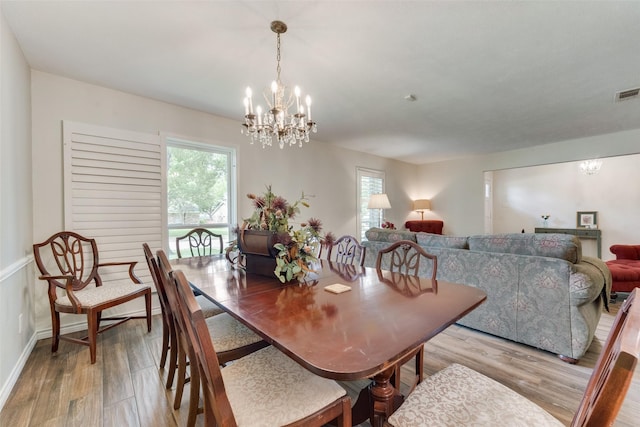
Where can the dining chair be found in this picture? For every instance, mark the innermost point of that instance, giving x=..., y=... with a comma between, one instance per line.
x=265, y=388
x=70, y=262
x=346, y=250
x=461, y=396
x=404, y=257
x=233, y=340
x=201, y=242
x=169, y=339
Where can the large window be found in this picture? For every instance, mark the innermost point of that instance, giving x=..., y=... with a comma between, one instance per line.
x=200, y=189
x=369, y=182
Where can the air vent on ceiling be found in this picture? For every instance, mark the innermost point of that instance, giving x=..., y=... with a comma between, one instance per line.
x=624, y=95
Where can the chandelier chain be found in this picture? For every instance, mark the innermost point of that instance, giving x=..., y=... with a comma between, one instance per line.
x=278, y=59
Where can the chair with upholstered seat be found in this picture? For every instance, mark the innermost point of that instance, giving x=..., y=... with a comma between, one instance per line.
x=404, y=257
x=201, y=242
x=169, y=344
x=233, y=340
x=461, y=396
x=346, y=250
x=264, y=388
x=70, y=262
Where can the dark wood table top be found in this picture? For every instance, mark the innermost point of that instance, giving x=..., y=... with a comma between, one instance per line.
x=346, y=336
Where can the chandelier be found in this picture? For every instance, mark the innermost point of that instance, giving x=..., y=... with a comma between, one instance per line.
x=591, y=167
x=276, y=123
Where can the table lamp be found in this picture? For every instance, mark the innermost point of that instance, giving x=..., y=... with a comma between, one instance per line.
x=422, y=205
x=379, y=201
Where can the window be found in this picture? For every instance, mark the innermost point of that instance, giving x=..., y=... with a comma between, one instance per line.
x=200, y=189
x=369, y=182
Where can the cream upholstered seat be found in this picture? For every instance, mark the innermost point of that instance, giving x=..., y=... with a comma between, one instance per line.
x=293, y=392
x=459, y=396
x=229, y=334
x=91, y=297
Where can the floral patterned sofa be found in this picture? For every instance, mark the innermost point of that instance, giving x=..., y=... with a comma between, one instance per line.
x=540, y=290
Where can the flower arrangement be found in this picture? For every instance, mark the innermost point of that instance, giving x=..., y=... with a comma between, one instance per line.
x=388, y=225
x=296, y=249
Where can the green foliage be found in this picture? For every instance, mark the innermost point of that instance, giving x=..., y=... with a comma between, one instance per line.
x=196, y=180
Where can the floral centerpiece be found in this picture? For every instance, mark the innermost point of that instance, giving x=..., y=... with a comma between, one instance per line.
x=295, y=249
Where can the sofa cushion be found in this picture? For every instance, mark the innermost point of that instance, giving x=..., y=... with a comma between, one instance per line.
x=439, y=241
x=562, y=246
x=385, y=235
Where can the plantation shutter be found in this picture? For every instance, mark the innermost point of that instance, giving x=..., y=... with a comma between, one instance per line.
x=369, y=182
x=113, y=192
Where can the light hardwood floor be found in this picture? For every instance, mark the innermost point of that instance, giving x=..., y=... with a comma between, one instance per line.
x=125, y=387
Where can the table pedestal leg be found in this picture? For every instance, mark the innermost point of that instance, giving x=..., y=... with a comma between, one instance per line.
x=386, y=399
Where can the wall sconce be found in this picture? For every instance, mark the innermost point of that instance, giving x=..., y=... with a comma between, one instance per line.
x=422, y=205
x=379, y=201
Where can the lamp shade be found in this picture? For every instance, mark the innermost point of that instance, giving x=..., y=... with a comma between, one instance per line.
x=421, y=204
x=379, y=201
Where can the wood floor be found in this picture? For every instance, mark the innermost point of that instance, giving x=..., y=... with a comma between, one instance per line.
x=125, y=387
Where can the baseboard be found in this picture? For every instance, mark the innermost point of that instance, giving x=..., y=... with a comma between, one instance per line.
x=44, y=334
x=16, y=371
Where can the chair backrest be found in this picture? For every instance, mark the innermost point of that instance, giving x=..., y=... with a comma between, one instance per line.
x=155, y=275
x=614, y=369
x=166, y=282
x=201, y=242
x=217, y=408
x=74, y=255
x=347, y=250
x=405, y=258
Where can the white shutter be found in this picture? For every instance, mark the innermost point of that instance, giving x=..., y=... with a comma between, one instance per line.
x=369, y=182
x=114, y=191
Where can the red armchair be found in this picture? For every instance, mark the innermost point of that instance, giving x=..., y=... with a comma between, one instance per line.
x=625, y=269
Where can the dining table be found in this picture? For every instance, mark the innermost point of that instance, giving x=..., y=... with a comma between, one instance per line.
x=343, y=322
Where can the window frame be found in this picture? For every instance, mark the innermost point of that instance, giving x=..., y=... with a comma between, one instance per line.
x=232, y=184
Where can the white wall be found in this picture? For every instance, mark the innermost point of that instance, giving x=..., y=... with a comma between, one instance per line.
x=16, y=264
x=456, y=186
x=522, y=195
x=322, y=170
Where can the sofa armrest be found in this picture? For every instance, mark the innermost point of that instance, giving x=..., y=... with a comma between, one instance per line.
x=626, y=251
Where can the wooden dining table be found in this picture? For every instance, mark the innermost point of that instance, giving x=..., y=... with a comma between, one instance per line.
x=357, y=334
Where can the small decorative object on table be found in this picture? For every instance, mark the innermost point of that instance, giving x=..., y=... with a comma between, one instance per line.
x=271, y=246
x=545, y=220
x=388, y=225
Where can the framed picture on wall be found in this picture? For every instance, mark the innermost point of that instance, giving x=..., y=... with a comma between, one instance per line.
x=587, y=220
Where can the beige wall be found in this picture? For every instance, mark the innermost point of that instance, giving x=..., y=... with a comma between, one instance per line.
x=457, y=186
x=16, y=264
x=522, y=195
x=322, y=170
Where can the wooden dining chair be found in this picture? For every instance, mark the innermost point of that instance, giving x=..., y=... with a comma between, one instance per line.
x=264, y=388
x=461, y=396
x=404, y=257
x=233, y=340
x=70, y=262
x=347, y=250
x=201, y=242
x=169, y=347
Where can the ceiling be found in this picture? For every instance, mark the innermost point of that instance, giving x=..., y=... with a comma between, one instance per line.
x=488, y=76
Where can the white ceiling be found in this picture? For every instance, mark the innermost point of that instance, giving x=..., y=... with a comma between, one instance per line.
x=489, y=76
